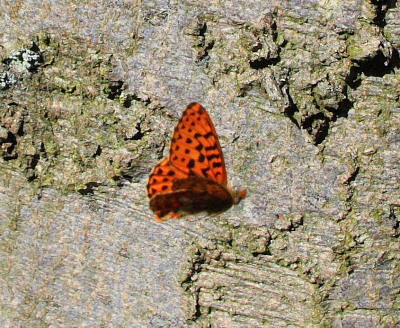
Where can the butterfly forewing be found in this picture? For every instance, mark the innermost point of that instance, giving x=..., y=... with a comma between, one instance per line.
x=195, y=147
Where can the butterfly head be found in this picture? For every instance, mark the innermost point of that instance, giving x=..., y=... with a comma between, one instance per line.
x=238, y=195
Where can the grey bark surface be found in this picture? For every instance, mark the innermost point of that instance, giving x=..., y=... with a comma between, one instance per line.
x=305, y=97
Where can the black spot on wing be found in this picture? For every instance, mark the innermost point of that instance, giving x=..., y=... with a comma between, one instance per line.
x=191, y=164
x=211, y=157
x=205, y=171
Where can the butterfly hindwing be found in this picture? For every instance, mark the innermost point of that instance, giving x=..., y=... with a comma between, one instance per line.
x=162, y=177
x=191, y=195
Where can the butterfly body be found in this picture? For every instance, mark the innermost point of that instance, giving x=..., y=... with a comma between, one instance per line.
x=193, y=178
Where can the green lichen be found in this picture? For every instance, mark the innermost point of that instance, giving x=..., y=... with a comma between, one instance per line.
x=72, y=129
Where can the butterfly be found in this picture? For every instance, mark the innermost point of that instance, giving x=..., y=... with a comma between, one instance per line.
x=193, y=178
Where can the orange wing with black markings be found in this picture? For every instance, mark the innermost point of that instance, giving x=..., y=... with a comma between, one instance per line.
x=195, y=147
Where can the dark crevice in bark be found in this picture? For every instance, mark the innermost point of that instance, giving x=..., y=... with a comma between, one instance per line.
x=263, y=62
x=316, y=125
x=33, y=163
x=115, y=89
x=90, y=187
x=343, y=109
x=352, y=176
x=138, y=135
x=291, y=109
x=378, y=66
x=12, y=141
x=382, y=7
x=203, y=54
x=98, y=152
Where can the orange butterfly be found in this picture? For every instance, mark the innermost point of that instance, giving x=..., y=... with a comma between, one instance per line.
x=193, y=178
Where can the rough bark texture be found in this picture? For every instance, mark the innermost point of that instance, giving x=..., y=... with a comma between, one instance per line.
x=305, y=98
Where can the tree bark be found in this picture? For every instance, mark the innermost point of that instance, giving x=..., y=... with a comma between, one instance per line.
x=305, y=98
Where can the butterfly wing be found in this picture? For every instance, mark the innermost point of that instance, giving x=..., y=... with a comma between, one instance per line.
x=195, y=147
x=191, y=195
x=162, y=177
